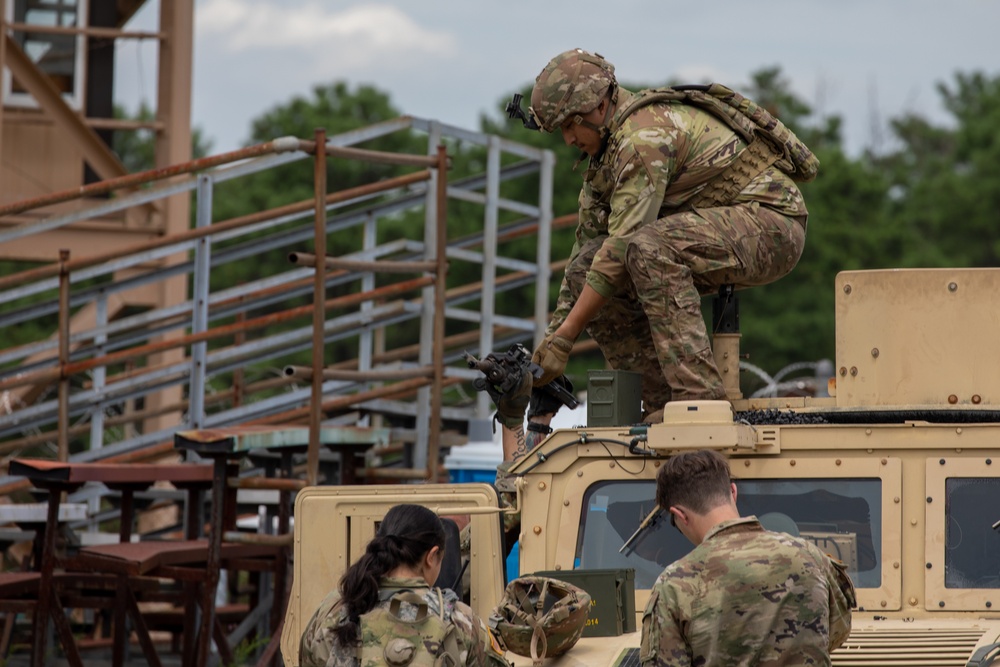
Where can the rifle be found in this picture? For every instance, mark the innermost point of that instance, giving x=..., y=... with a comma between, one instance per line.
x=504, y=371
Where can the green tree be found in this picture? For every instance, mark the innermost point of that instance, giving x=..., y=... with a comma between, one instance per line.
x=946, y=181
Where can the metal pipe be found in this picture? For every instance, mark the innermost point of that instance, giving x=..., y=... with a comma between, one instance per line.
x=382, y=266
x=543, y=260
x=150, y=175
x=239, y=379
x=200, y=298
x=319, y=312
x=306, y=373
x=89, y=31
x=190, y=235
x=440, y=286
x=368, y=338
x=51, y=375
x=64, y=322
x=488, y=263
x=49, y=436
x=382, y=157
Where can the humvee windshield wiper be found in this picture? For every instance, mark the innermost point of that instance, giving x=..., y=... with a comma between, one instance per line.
x=646, y=524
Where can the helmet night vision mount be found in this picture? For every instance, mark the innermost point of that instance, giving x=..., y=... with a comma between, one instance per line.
x=514, y=110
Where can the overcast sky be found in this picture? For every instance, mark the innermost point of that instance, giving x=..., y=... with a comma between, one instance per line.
x=452, y=60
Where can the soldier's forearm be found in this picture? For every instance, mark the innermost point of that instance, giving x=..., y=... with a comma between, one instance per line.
x=584, y=310
x=514, y=443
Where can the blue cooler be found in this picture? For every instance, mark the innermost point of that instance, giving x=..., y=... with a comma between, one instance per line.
x=474, y=462
x=513, y=564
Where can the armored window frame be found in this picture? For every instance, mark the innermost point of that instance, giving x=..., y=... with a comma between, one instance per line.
x=888, y=470
x=938, y=594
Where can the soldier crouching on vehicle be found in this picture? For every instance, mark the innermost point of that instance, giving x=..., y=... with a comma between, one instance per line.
x=744, y=595
x=676, y=202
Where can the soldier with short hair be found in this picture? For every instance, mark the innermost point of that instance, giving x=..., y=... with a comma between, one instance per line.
x=675, y=204
x=399, y=566
x=744, y=595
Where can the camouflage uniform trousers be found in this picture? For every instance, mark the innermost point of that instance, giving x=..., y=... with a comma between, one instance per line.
x=621, y=330
x=654, y=325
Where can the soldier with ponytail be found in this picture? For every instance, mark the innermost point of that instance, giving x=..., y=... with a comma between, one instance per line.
x=386, y=609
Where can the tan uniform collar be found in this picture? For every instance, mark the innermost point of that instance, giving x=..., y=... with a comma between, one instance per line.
x=746, y=524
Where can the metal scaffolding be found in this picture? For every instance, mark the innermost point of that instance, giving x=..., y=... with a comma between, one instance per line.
x=87, y=381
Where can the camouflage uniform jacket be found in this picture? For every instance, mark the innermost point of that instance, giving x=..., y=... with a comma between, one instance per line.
x=660, y=157
x=318, y=647
x=747, y=596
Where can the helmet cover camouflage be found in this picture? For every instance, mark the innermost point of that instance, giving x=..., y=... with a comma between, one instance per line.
x=574, y=82
x=541, y=617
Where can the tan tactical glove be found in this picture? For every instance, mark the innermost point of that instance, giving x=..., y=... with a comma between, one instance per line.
x=552, y=355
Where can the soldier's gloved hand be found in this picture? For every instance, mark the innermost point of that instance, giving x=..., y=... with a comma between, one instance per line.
x=510, y=404
x=544, y=403
x=552, y=355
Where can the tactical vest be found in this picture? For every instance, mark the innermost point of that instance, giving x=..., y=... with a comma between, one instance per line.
x=429, y=640
x=768, y=140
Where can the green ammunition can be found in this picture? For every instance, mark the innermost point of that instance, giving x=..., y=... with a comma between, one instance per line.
x=614, y=398
x=612, y=598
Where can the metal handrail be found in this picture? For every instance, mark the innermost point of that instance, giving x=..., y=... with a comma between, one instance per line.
x=105, y=348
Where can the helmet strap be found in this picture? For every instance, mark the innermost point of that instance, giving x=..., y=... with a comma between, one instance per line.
x=603, y=130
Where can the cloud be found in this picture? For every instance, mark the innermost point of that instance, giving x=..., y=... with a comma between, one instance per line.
x=365, y=34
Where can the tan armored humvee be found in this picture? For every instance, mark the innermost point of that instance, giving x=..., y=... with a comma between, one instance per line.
x=897, y=474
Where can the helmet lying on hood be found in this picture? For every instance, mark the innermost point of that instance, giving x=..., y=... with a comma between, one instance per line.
x=541, y=617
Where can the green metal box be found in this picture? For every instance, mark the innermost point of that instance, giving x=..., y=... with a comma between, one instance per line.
x=614, y=398
x=612, y=598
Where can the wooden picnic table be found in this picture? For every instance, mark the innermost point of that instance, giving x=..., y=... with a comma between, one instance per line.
x=64, y=477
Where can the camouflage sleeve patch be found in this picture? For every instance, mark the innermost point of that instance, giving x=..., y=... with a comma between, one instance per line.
x=483, y=648
x=662, y=644
x=317, y=641
x=842, y=600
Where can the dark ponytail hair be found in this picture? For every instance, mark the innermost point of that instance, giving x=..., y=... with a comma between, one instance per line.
x=406, y=534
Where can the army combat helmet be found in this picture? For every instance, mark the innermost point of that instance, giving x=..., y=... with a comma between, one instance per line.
x=541, y=617
x=573, y=83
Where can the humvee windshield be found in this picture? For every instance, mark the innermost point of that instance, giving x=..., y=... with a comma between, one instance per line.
x=971, y=544
x=842, y=516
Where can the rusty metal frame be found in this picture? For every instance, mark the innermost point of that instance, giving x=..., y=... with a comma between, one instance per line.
x=341, y=387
